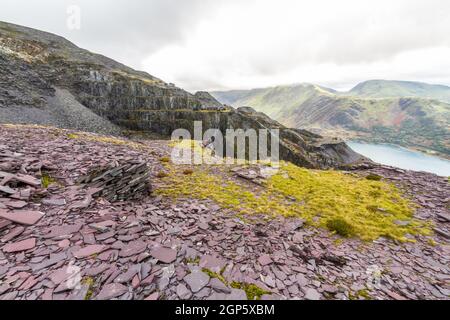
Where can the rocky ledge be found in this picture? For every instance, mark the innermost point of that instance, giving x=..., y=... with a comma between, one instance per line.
x=59, y=242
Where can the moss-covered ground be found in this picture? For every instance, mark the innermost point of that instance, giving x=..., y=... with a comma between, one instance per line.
x=346, y=204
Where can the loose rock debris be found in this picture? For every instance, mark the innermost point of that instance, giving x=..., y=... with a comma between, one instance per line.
x=151, y=248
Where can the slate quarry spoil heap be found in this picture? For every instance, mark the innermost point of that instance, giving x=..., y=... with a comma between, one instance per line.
x=155, y=248
x=119, y=181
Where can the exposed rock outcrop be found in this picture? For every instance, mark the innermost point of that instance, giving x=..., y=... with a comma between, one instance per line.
x=48, y=80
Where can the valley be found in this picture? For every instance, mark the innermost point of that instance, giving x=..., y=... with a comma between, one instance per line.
x=412, y=115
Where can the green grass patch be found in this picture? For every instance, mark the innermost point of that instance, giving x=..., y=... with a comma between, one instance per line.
x=374, y=177
x=341, y=227
x=90, y=282
x=346, y=204
x=46, y=180
x=216, y=275
x=252, y=291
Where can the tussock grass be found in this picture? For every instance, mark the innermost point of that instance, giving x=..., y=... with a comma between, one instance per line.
x=345, y=204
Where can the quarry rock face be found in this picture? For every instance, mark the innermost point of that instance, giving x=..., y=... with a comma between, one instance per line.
x=48, y=80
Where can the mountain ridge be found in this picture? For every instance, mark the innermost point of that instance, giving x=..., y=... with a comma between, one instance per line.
x=362, y=113
x=48, y=80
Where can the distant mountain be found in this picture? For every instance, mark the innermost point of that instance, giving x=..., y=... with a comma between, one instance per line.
x=394, y=89
x=410, y=114
x=47, y=80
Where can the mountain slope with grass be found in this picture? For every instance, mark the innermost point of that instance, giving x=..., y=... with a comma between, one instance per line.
x=409, y=114
x=394, y=89
x=48, y=80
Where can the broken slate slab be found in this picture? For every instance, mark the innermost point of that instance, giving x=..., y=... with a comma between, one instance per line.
x=183, y=292
x=20, y=246
x=219, y=286
x=196, y=280
x=265, y=260
x=89, y=251
x=22, y=217
x=212, y=263
x=312, y=294
x=32, y=181
x=165, y=255
x=54, y=202
x=112, y=290
x=133, y=248
x=13, y=234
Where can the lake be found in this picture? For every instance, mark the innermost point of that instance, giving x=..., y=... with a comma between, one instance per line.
x=402, y=158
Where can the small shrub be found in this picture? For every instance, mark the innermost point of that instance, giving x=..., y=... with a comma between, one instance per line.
x=165, y=159
x=90, y=283
x=162, y=175
x=374, y=177
x=46, y=180
x=72, y=136
x=188, y=172
x=341, y=227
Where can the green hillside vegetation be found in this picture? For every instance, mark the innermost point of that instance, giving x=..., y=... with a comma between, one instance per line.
x=379, y=111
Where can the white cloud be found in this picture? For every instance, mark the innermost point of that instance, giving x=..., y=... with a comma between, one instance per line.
x=224, y=44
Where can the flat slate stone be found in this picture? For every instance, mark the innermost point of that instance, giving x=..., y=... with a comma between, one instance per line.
x=13, y=234
x=165, y=255
x=183, y=292
x=89, y=251
x=132, y=249
x=196, y=280
x=30, y=180
x=237, y=294
x=153, y=297
x=219, y=286
x=62, y=231
x=312, y=294
x=16, y=204
x=212, y=263
x=112, y=290
x=265, y=260
x=28, y=218
x=54, y=202
x=20, y=246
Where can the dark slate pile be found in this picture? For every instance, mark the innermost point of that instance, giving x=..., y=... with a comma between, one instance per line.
x=119, y=181
x=60, y=242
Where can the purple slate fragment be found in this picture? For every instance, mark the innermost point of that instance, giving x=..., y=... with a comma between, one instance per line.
x=183, y=292
x=13, y=234
x=197, y=280
x=62, y=231
x=89, y=251
x=133, y=248
x=212, y=263
x=22, y=217
x=165, y=255
x=265, y=260
x=20, y=246
x=111, y=291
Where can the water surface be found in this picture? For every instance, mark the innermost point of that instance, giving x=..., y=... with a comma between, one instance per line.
x=402, y=158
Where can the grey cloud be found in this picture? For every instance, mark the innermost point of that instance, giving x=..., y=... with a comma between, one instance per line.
x=132, y=30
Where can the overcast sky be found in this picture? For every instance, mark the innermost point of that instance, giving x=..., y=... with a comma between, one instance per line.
x=233, y=44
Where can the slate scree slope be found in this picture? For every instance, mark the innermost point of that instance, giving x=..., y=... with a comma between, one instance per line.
x=45, y=79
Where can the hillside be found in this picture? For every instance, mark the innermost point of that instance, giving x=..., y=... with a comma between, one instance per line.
x=47, y=80
x=375, y=111
x=394, y=89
